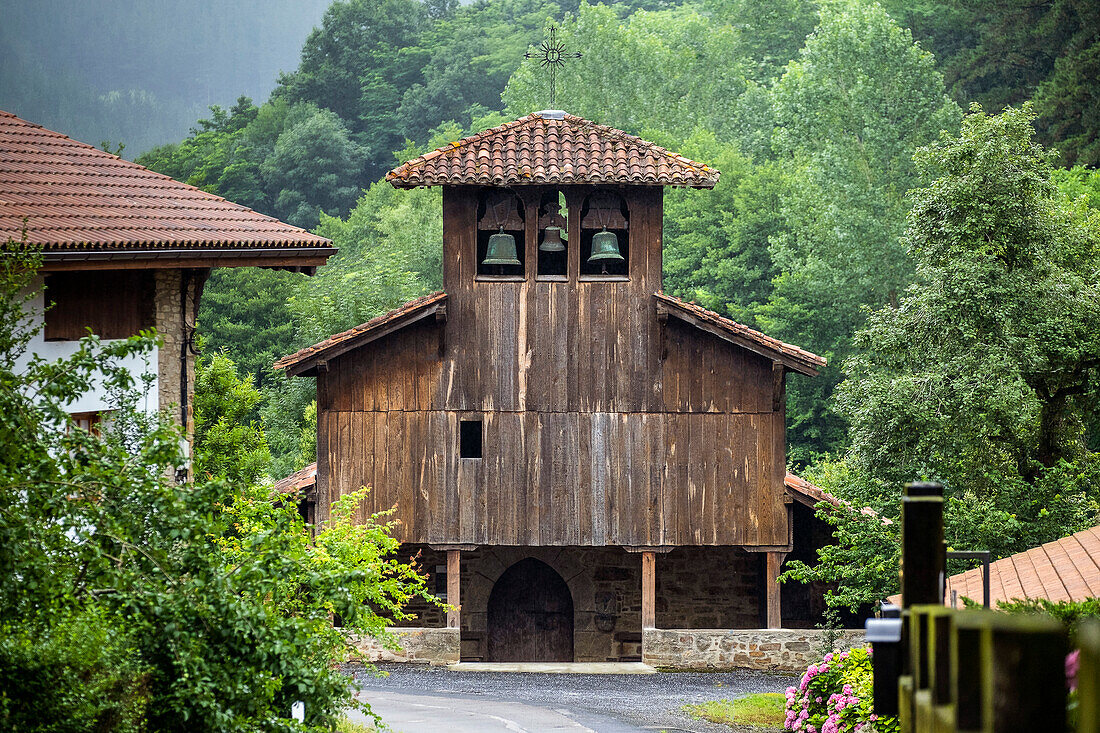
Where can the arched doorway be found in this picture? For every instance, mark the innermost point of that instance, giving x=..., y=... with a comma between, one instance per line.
x=530, y=615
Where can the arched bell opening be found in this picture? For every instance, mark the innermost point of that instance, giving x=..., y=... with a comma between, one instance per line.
x=500, y=234
x=553, y=234
x=530, y=615
x=605, y=240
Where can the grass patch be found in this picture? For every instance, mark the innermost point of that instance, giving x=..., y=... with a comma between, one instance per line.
x=347, y=726
x=763, y=709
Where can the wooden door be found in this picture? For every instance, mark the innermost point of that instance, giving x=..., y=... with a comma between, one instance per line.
x=530, y=615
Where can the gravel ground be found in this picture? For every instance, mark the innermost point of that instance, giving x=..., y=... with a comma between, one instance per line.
x=649, y=702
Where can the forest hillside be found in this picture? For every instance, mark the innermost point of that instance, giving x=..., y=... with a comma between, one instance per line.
x=842, y=130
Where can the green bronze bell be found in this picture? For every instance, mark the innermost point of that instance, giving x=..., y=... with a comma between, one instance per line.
x=551, y=240
x=501, y=250
x=605, y=246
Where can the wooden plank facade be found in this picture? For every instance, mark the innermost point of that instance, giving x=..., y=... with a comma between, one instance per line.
x=603, y=422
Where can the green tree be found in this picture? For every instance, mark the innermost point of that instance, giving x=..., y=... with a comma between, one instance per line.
x=990, y=362
x=228, y=443
x=358, y=64
x=670, y=71
x=850, y=112
x=314, y=167
x=156, y=605
x=716, y=243
x=984, y=375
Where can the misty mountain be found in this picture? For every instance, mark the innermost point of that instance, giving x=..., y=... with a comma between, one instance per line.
x=140, y=72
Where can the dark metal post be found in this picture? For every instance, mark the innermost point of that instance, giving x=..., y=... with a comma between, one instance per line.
x=922, y=548
x=885, y=636
x=982, y=555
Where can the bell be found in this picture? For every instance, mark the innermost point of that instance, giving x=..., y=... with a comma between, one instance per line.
x=551, y=240
x=501, y=250
x=605, y=246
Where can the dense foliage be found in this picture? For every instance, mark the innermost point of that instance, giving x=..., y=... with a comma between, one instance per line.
x=836, y=696
x=130, y=602
x=985, y=375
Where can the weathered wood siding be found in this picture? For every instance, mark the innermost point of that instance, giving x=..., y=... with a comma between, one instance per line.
x=602, y=425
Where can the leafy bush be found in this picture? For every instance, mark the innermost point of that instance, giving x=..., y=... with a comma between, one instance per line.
x=130, y=602
x=835, y=696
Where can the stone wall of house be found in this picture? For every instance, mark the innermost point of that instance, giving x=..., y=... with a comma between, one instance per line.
x=416, y=645
x=780, y=650
x=697, y=587
x=176, y=325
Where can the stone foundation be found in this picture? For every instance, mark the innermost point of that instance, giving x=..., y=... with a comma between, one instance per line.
x=704, y=587
x=780, y=650
x=417, y=645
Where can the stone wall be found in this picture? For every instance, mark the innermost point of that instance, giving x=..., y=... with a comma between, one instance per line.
x=175, y=322
x=780, y=650
x=417, y=645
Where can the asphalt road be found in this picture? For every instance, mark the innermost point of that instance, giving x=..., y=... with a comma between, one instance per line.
x=424, y=700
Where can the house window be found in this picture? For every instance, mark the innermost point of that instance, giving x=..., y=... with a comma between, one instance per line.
x=605, y=241
x=553, y=236
x=500, y=236
x=89, y=421
x=115, y=304
x=469, y=438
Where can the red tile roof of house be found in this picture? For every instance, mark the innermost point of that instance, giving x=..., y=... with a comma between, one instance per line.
x=1063, y=570
x=799, y=360
x=552, y=148
x=303, y=360
x=75, y=197
x=303, y=479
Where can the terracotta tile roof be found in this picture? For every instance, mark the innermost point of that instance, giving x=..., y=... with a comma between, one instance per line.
x=299, y=480
x=810, y=495
x=1063, y=570
x=799, y=360
x=552, y=147
x=303, y=360
x=77, y=197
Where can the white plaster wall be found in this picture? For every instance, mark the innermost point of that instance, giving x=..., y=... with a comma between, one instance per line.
x=96, y=398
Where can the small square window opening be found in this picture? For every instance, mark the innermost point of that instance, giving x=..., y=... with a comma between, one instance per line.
x=469, y=438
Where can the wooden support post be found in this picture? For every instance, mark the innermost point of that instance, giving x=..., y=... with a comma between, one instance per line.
x=453, y=585
x=771, y=590
x=649, y=590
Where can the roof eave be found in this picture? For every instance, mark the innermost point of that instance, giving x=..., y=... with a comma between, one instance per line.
x=306, y=365
x=669, y=306
x=306, y=258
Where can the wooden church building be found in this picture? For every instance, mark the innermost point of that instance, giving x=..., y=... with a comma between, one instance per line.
x=575, y=455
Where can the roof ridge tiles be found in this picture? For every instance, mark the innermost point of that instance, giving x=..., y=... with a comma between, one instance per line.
x=554, y=151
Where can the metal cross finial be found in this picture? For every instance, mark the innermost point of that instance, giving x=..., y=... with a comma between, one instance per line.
x=551, y=55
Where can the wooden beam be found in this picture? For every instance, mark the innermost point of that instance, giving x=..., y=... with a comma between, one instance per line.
x=649, y=590
x=454, y=570
x=771, y=590
x=778, y=386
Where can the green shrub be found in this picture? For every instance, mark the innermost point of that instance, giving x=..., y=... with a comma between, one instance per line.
x=78, y=675
x=835, y=696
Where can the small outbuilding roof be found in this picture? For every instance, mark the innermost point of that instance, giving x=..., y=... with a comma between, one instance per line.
x=1067, y=569
x=552, y=147
x=305, y=479
x=304, y=360
x=791, y=356
x=83, y=205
